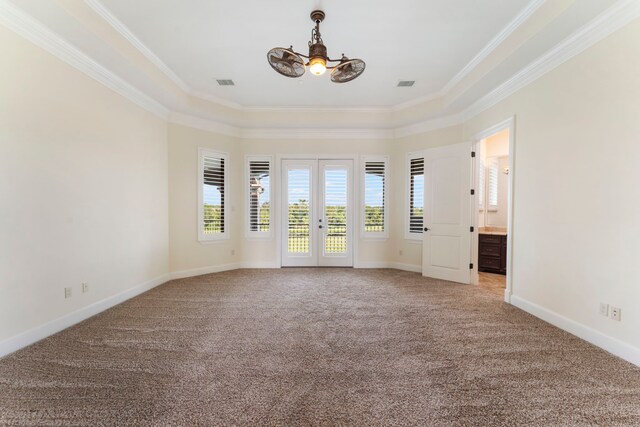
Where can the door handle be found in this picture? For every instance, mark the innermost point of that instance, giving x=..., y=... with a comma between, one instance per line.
x=320, y=226
x=426, y=229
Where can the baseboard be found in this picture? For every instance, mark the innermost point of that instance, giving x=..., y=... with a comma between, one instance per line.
x=610, y=344
x=34, y=335
x=259, y=265
x=406, y=267
x=182, y=274
x=372, y=264
x=38, y=333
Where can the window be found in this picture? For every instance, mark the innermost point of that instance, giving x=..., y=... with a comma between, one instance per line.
x=212, y=201
x=492, y=184
x=481, y=174
x=374, y=206
x=259, y=196
x=415, y=211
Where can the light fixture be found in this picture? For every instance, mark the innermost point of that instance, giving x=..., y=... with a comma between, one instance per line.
x=290, y=63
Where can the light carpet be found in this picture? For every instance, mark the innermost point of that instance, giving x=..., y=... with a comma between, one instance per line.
x=316, y=347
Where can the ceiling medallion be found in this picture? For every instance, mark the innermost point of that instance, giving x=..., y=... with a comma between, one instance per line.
x=290, y=63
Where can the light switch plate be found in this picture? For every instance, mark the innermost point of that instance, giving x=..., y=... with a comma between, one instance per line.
x=67, y=292
x=604, y=309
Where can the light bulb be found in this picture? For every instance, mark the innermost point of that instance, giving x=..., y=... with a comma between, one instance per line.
x=318, y=66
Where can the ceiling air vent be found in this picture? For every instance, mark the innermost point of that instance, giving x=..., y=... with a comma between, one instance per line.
x=226, y=82
x=406, y=83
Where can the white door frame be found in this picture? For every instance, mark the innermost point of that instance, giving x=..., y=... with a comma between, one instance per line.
x=510, y=125
x=278, y=198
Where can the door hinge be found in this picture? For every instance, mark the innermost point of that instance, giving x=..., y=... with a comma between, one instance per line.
x=473, y=154
x=470, y=266
x=471, y=228
x=473, y=191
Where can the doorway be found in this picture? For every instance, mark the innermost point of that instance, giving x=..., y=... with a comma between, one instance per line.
x=493, y=208
x=317, y=213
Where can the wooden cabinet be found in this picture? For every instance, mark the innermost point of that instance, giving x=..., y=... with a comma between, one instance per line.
x=492, y=253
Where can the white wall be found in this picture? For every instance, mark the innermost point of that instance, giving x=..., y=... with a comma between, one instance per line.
x=576, y=211
x=187, y=255
x=370, y=252
x=576, y=214
x=83, y=190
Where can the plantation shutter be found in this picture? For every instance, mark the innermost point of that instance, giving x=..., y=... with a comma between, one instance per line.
x=374, y=196
x=416, y=195
x=492, y=184
x=213, y=195
x=481, y=178
x=259, y=196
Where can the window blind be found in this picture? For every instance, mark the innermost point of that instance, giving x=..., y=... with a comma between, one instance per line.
x=481, y=175
x=374, y=196
x=416, y=195
x=213, y=192
x=492, y=184
x=259, y=196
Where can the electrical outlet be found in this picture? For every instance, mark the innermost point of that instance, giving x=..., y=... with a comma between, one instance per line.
x=233, y=252
x=85, y=287
x=616, y=313
x=604, y=309
x=400, y=252
x=67, y=292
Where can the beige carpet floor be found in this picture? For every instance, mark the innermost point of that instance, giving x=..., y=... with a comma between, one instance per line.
x=316, y=347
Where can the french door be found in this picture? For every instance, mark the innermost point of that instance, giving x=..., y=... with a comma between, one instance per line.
x=317, y=204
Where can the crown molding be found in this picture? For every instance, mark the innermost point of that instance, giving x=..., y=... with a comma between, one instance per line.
x=204, y=124
x=215, y=99
x=122, y=29
x=511, y=27
x=32, y=30
x=418, y=101
x=272, y=133
x=319, y=110
x=101, y=10
x=609, y=21
x=429, y=125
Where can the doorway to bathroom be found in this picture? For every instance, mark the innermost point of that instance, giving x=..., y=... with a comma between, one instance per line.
x=493, y=181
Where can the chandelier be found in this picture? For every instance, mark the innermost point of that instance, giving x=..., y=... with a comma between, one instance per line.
x=290, y=63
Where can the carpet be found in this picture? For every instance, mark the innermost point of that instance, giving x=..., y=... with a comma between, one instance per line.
x=316, y=347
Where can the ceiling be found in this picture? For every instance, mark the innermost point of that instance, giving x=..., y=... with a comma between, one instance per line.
x=465, y=55
x=428, y=41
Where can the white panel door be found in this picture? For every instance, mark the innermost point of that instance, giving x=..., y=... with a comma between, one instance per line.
x=317, y=203
x=446, y=252
x=299, y=221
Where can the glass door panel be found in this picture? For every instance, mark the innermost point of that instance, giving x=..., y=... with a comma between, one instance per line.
x=298, y=237
x=316, y=213
x=335, y=214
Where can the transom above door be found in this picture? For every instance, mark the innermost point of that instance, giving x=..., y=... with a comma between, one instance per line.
x=317, y=207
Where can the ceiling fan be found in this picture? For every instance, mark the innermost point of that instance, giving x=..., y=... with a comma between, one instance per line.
x=290, y=63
